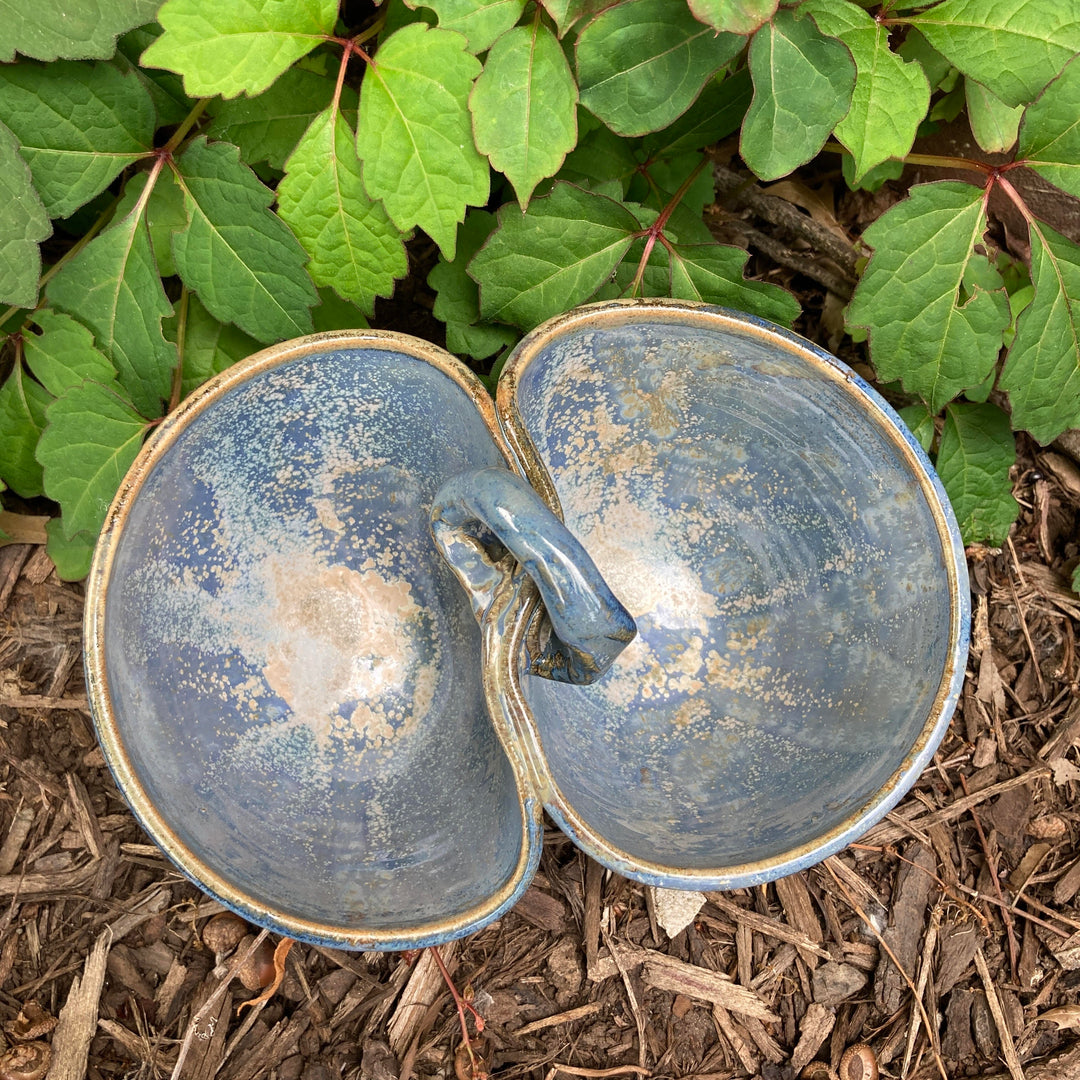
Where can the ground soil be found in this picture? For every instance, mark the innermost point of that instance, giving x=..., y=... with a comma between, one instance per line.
x=946, y=942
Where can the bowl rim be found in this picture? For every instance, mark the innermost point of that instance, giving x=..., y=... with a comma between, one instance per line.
x=211, y=880
x=508, y=672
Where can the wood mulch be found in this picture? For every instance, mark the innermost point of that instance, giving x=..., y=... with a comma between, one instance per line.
x=946, y=943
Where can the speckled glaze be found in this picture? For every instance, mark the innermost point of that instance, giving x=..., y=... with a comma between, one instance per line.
x=285, y=675
x=293, y=691
x=795, y=573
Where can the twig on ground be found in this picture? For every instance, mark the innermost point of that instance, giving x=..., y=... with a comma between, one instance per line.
x=1008, y=1047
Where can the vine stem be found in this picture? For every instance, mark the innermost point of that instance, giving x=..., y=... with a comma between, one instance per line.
x=181, y=334
x=462, y=1005
x=186, y=125
x=656, y=230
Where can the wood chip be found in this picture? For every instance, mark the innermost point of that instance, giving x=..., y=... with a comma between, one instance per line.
x=544, y=911
x=16, y=837
x=568, y=1017
x=737, y=1039
x=78, y=1020
x=906, y=921
x=1008, y=1047
x=814, y=1029
x=424, y=986
x=795, y=899
x=773, y=928
x=668, y=973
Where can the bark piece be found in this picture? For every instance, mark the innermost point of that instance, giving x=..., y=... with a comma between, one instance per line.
x=904, y=932
x=816, y=1025
x=78, y=1019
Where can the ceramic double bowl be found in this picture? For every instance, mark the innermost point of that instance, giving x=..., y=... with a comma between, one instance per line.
x=688, y=584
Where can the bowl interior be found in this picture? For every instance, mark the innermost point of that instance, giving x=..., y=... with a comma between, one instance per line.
x=787, y=563
x=295, y=707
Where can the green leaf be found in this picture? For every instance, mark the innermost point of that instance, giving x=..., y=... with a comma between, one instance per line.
x=935, y=309
x=113, y=287
x=916, y=49
x=481, y=21
x=713, y=273
x=230, y=46
x=91, y=440
x=1013, y=47
x=415, y=132
x=78, y=125
x=891, y=96
x=734, y=16
x=22, y=419
x=1042, y=371
x=920, y=422
x=1050, y=132
x=567, y=12
x=803, y=83
x=641, y=64
x=164, y=214
x=51, y=29
x=71, y=557
x=457, y=300
x=602, y=161
x=63, y=354
x=23, y=224
x=524, y=107
x=354, y=247
x=268, y=127
x=241, y=258
x=551, y=258
x=977, y=452
x=333, y=313
x=716, y=114
x=993, y=123
x=165, y=89
x=209, y=346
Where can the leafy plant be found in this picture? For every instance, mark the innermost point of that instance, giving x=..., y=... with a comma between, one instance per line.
x=175, y=193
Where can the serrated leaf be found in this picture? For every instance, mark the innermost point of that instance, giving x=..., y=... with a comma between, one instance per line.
x=78, y=126
x=920, y=422
x=993, y=123
x=112, y=286
x=457, y=299
x=481, y=21
x=1042, y=371
x=62, y=355
x=1049, y=139
x=233, y=46
x=551, y=258
x=977, y=451
x=641, y=64
x=415, y=132
x=23, y=225
x=354, y=247
x=923, y=297
x=891, y=96
x=165, y=89
x=567, y=12
x=71, y=557
x=54, y=29
x=713, y=273
x=210, y=346
x=803, y=83
x=22, y=419
x=164, y=214
x=524, y=107
x=1014, y=47
x=916, y=49
x=92, y=437
x=734, y=16
x=269, y=126
x=716, y=114
x=241, y=258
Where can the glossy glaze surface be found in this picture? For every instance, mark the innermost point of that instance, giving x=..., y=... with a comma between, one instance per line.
x=796, y=577
x=292, y=673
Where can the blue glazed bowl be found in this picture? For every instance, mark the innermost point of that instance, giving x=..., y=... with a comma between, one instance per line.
x=323, y=729
x=795, y=572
